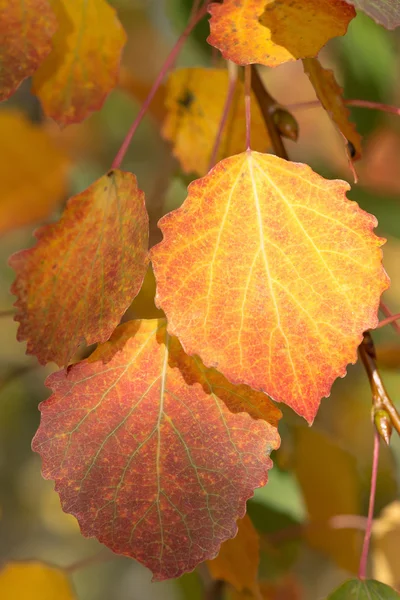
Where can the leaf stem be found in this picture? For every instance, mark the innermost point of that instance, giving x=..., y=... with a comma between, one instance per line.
x=388, y=321
x=388, y=314
x=362, y=571
x=380, y=397
x=268, y=106
x=7, y=313
x=247, y=102
x=164, y=69
x=233, y=74
x=394, y=110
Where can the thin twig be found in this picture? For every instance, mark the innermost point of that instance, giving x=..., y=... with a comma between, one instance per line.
x=267, y=106
x=394, y=110
x=388, y=321
x=388, y=313
x=362, y=572
x=232, y=72
x=100, y=557
x=7, y=313
x=164, y=69
x=380, y=397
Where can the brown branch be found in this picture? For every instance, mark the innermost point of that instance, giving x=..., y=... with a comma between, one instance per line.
x=268, y=106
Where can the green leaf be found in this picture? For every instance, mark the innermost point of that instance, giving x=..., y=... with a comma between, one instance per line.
x=354, y=589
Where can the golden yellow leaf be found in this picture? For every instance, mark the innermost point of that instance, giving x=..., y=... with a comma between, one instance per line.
x=271, y=33
x=33, y=171
x=195, y=102
x=82, y=69
x=330, y=94
x=34, y=581
x=238, y=558
x=386, y=544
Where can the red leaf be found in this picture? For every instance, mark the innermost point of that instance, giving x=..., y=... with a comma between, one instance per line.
x=151, y=451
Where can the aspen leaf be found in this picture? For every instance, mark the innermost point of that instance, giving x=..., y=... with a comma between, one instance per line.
x=271, y=33
x=33, y=171
x=84, y=271
x=238, y=559
x=152, y=452
x=195, y=102
x=384, y=12
x=330, y=94
x=77, y=76
x=26, y=29
x=355, y=589
x=270, y=274
x=34, y=581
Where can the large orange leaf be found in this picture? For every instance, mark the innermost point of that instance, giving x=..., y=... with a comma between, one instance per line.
x=271, y=275
x=384, y=12
x=195, y=102
x=26, y=29
x=77, y=76
x=84, y=271
x=271, y=33
x=330, y=94
x=151, y=451
x=33, y=171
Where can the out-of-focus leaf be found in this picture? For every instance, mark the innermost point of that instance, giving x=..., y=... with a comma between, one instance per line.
x=139, y=90
x=369, y=589
x=84, y=271
x=271, y=33
x=82, y=69
x=238, y=558
x=153, y=453
x=284, y=275
x=329, y=479
x=386, y=544
x=330, y=94
x=33, y=171
x=195, y=102
x=26, y=29
x=34, y=581
x=384, y=12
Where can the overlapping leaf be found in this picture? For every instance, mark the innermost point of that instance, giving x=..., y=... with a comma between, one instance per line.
x=271, y=33
x=238, y=560
x=77, y=76
x=33, y=171
x=34, y=581
x=330, y=94
x=355, y=589
x=151, y=451
x=26, y=29
x=195, y=102
x=84, y=271
x=271, y=275
x=384, y=12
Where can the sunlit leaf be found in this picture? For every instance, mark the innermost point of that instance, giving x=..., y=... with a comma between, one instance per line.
x=26, y=29
x=34, y=581
x=84, y=271
x=77, y=76
x=271, y=33
x=369, y=589
x=384, y=12
x=330, y=94
x=152, y=452
x=238, y=559
x=195, y=103
x=33, y=171
x=271, y=275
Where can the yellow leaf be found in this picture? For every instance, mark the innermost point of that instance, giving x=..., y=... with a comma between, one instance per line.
x=195, y=103
x=238, y=558
x=386, y=544
x=34, y=581
x=330, y=94
x=33, y=172
x=82, y=69
x=271, y=33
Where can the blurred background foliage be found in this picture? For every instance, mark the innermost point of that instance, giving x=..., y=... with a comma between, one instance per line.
x=319, y=473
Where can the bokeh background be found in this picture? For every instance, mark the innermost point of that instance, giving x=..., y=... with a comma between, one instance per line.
x=319, y=472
